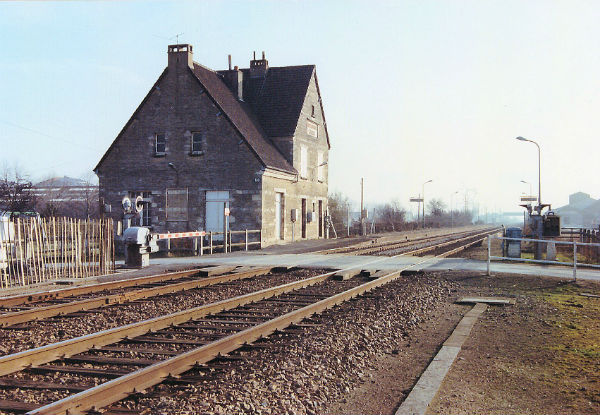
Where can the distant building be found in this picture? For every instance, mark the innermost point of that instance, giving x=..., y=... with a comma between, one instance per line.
x=66, y=196
x=582, y=211
x=254, y=140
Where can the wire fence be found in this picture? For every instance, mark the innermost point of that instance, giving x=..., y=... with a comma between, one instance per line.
x=34, y=250
x=575, y=253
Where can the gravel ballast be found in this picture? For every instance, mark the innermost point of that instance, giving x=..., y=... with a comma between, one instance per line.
x=304, y=373
x=40, y=333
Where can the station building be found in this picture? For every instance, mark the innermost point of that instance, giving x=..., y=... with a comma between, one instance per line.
x=253, y=140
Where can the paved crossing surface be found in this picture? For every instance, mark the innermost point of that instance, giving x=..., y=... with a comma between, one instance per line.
x=340, y=261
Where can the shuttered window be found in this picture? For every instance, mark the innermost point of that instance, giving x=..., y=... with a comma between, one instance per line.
x=303, y=161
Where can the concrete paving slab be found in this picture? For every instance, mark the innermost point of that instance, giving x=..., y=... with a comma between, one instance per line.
x=486, y=300
x=424, y=391
x=347, y=274
x=418, y=400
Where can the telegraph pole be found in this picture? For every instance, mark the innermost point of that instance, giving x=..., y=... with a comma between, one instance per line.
x=363, y=225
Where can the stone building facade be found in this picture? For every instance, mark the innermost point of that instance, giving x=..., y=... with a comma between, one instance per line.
x=254, y=140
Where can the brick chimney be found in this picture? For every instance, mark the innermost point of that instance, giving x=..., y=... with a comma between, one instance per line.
x=234, y=78
x=181, y=55
x=259, y=68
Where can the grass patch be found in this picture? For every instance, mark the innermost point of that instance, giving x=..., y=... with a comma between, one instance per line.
x=575, y=341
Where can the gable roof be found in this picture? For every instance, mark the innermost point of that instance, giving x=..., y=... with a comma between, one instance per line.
x=271, y=108
x=277, y=98
x=133, y=117
x=240, y=115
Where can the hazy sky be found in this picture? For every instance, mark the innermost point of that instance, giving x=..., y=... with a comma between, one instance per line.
x=412, y=90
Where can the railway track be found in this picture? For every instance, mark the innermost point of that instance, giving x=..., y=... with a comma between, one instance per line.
x=415, y=246
x=24, y=308
x=96, y=370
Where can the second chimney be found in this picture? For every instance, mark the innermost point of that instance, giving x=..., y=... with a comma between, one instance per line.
x=259, y=68
x=234, y=78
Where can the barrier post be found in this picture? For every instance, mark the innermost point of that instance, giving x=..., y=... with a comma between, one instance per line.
x=489, y=241
x=246, y=239
x=575, y=261
x=211, y=243
x=201, y=245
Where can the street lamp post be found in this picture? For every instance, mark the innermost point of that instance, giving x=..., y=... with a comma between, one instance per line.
x=539, y=206
x=452, y=210
x=423, y=186
x=537, y=219
x=530, y=191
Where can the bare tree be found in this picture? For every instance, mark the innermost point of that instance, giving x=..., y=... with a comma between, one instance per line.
x=392, y=216
x=436, y=207
x=15, y=191
x=338, y=205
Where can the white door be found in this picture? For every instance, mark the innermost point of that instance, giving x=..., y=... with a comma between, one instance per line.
x=216, y=202
x=278, y=216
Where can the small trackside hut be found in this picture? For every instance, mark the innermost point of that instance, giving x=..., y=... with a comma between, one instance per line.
x=252, y=140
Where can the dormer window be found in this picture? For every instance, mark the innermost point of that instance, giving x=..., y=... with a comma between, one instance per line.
x=197, y=144
x=160, y=145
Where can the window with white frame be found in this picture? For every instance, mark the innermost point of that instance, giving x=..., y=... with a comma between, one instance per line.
x=197, y=143
x=160, y=144
x=303, y=162
x=145, y=217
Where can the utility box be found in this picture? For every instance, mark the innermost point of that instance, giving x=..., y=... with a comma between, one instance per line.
x=512, y=249
x=551, y=225
x=139, y=243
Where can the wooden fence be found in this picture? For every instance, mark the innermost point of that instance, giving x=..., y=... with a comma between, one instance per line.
x=34, y=250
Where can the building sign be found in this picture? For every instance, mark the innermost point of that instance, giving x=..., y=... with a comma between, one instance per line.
x=312, y=128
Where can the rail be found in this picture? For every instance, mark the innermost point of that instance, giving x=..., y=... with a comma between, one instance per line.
x=140, y=379
x=39, y=313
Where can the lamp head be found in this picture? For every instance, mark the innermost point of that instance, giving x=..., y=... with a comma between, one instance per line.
x=522, y=138
x=171, y=165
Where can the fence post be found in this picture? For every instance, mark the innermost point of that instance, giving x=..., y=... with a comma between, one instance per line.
x=489, y=241
x=195, y=246
x=211, y=243
x=201, y=245
x=575, y=261
x=246, y=239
